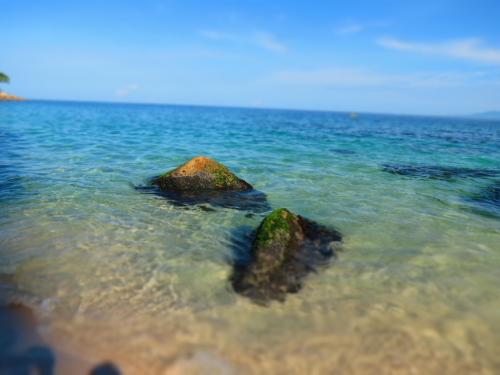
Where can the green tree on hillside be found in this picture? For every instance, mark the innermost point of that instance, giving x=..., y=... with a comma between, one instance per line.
x=4, y=78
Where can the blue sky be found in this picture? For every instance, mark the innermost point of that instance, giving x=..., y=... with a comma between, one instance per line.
x=422, y=57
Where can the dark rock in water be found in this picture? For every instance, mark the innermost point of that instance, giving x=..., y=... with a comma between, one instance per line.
x=438, y=172
x=22, y=350
x=206, y=208
x=343, y=151
x=286, y=247
x=252, y=200
x=40, y=358
x=106, y=368
x=203, y=181
x=201, y=174
x=487, y=202
x=492, y=194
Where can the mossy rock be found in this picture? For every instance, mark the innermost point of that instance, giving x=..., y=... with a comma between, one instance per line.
x=285, y=249
x=201, y=174
x=205, y=183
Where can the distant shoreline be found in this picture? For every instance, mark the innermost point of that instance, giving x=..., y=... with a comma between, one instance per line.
x=9, y=97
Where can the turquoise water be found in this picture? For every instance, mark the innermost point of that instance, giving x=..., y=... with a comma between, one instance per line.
x=114, y=273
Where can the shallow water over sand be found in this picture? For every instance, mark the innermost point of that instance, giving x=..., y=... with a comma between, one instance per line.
x=117, y=274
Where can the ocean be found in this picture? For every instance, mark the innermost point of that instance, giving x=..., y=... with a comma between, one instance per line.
x=114, y=272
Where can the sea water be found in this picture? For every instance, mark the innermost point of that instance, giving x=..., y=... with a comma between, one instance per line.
x=114, y=273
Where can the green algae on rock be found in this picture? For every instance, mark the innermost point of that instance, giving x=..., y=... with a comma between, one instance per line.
x=201, y=174
x=203, y=181
x=285, y=249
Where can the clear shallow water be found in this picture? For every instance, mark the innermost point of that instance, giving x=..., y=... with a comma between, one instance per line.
x=113, y=273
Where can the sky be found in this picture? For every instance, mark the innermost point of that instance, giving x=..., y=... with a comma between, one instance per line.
x=419, y=57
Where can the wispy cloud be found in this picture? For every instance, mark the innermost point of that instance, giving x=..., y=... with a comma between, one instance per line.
x=471, y=49
x=127, y=90
x=359, y=77
x=268, y=41
x=259, y=39
x=349, y=29
x=352, y=27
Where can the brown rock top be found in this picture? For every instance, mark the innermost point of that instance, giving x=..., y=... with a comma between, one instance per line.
x=201, y=173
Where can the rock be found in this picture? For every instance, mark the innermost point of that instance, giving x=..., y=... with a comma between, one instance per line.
x=203, y=181
x=106, y=368
x=22, y=349
x=201, y=174
x=438, y=172
x=491, y=194
x=285, y=249
x=487, y=201
x=343, y=151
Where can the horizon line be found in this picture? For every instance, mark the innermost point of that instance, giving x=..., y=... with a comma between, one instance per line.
x=470, y=116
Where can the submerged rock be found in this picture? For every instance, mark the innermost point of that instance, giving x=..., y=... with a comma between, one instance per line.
x=285, y=249
x=487, y=201
x=438, y=172
x=202, y=181
x=201, y=174
x=106, y=368
x=253, y=200
x=491, y=194
x=343, y=151
x=22, y=349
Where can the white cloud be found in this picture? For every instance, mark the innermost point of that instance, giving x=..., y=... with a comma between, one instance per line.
x=350, y=29
x=471, y=49
x=260, y=39
x=358, y=77
x=268, y=41
x=127, y=90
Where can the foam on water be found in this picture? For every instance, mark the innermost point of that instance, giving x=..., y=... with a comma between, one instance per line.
x=115, y=274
